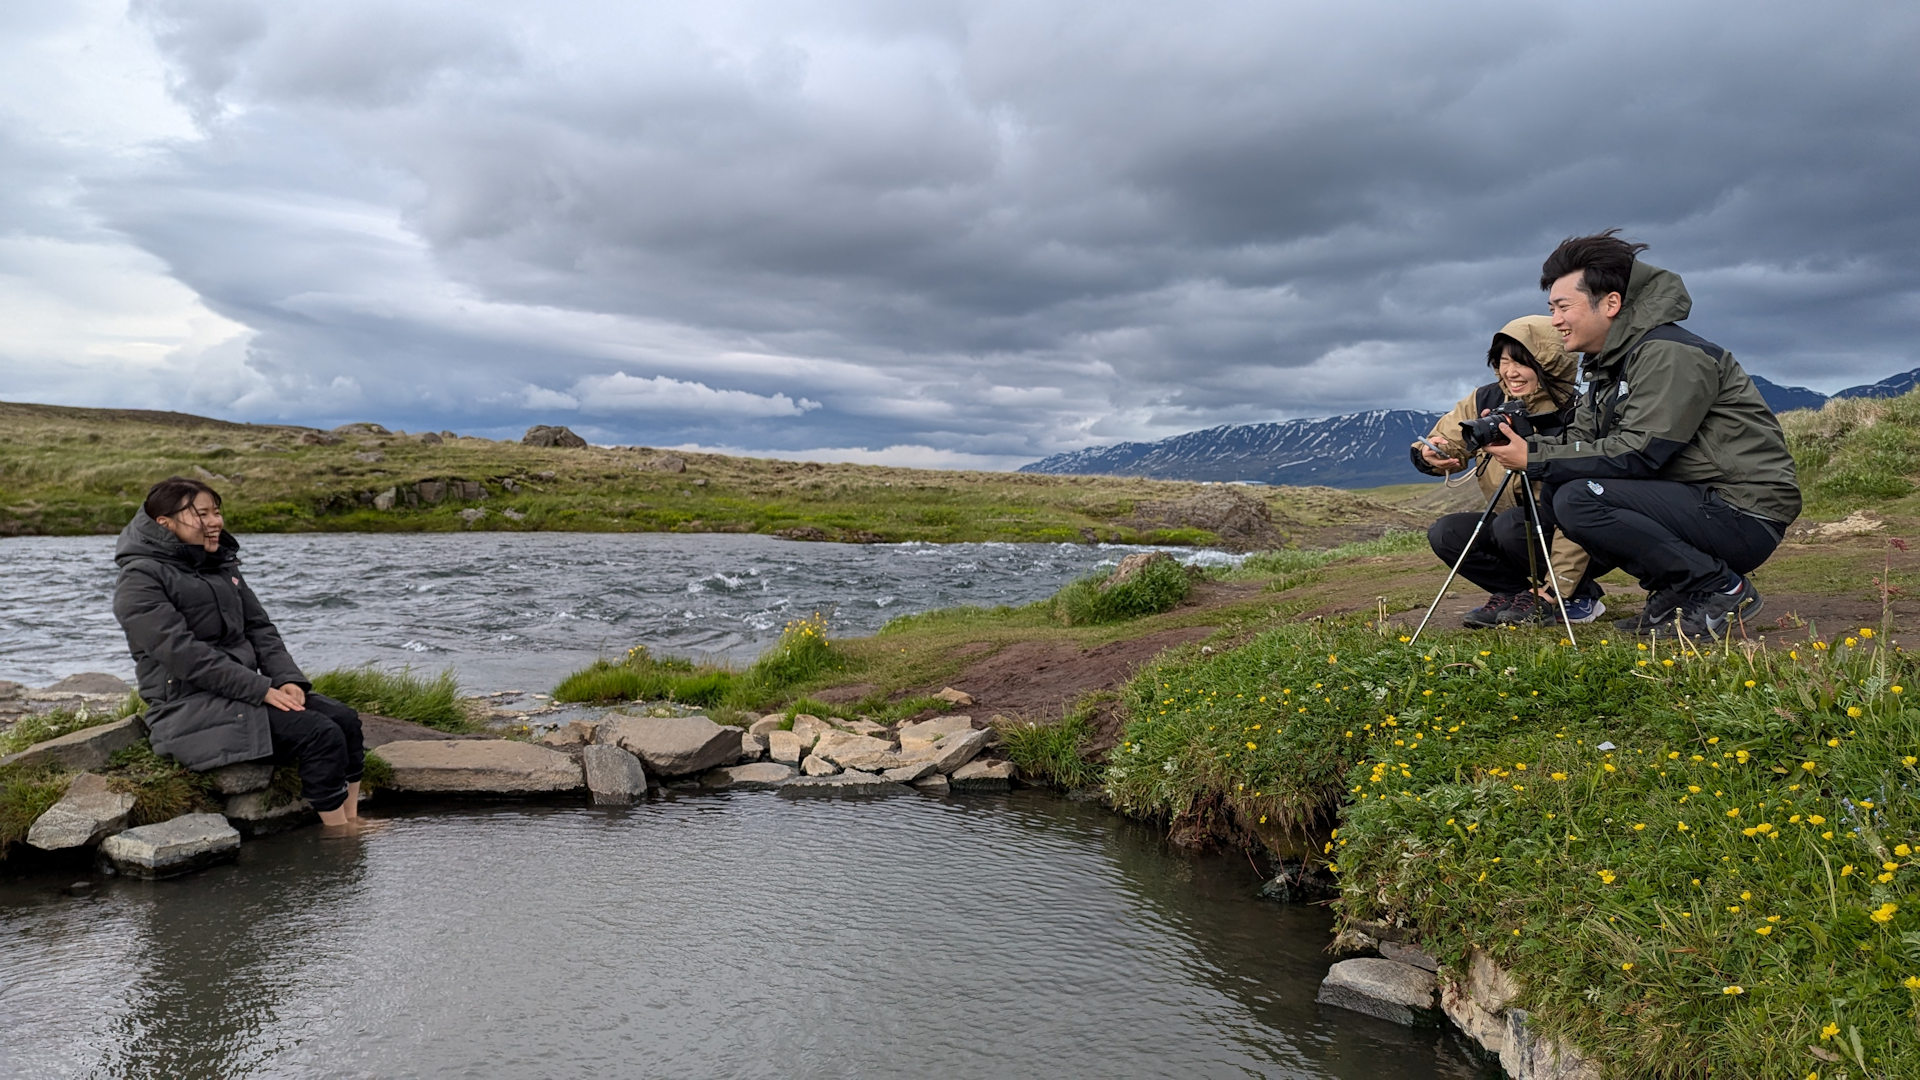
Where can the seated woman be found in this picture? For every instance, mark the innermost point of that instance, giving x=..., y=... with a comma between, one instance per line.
x=1530, y=365
x=218, y=682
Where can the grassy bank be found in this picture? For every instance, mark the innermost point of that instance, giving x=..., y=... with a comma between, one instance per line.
x=73, y=471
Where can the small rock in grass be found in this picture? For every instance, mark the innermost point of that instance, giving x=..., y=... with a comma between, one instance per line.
x=957, y=697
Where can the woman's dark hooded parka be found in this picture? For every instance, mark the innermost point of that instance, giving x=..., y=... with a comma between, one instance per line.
x=205, y=654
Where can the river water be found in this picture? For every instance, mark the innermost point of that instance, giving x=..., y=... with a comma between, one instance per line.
x=732, y=935
x=520, y=610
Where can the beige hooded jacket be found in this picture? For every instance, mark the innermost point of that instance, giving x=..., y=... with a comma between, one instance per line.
x=1536, y=334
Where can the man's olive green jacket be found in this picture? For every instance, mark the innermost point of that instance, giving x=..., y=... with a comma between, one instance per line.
x=1665, y=404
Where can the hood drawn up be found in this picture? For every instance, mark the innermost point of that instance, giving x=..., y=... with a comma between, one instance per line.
x=145, y=538
x=1536, y=334
x=1654, y=297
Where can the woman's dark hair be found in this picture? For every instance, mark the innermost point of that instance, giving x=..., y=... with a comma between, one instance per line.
x=174, y=494
x=1606, y=259
x=1559, y=389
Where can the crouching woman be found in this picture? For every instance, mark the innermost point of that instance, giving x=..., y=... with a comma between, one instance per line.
x=219, y=685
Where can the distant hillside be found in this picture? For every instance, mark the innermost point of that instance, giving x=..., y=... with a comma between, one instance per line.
x=1358, y=450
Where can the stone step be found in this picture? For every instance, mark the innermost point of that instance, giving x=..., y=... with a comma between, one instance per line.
x=480, y=767
x=171, y=848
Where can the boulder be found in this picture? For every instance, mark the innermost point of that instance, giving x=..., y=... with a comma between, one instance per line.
x=369, y=457
x=468, y=490
x=858, y=727
x=932, y=785
x=672, y=745
x=957, y=697
x=254, y=813
x=768, y=724
x=843, y=748
x=575, y=733
x=1239, y=520
x=761, y=776
x=1483, y=1027
x=846, y=783
x=241, y=777
x=815, y=765
x=1408, y=954
x=983, y=776
x=666, y=463
x=318, y=438
x=1490, y=984
x=752, y=747
x=88, y=811
x=386, y=499
x=805, y=725
x=787, y=746
x=480, y=766
x=1387, y=989
x=927, y=732
x=1526, y=1056
x=431, y=491
x=361, y=427
x=428, y=438
x=513, y=515
x=956, y=750
x=170, y=848
x=88, y=748
x=90, y=684
x=472, y=514
x=907, y=774
x=613, y=774
x=552, y=435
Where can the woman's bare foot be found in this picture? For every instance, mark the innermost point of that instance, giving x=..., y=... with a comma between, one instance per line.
x=352, y=805
x=335, y=818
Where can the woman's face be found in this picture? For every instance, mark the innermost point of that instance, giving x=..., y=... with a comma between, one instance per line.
x=197, y=524
x=1518, y=379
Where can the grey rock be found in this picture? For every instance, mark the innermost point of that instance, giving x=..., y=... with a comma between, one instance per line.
x=787, y=746
x=431, y=491
x=815, y=765
x=1408, y=954
x=983, y=776
x=1133, y=566
x=760, y=776
x=170, y=848
x=667, y=463
x=513, y=515
x=88, y=811
x=1486, y=1028
x=858, y=727
x=1387, y=989
x=613, y=774
x=933, y=785
x=428, y=438
x=1490, y=984
x=361, y=427
x=90, y=684
x=907, y=774
x=10, y=690
x=386, y=499
x=768, y=724
x=845, y=749
x=1526, y=1056
x=946, y=755
x=472, y=514
x=927, y=732
x=846, y=783
x=480, y=766
x=958, y=697
x=255, y=813
x=511, y=485
x=752, y=747
x=672, y=745
x=552, y=435
x=369, y=457
x=318, y=438
x=575, y=733
x=468, y=490
x=805, y=725
x=88, y=748
x=241, y=777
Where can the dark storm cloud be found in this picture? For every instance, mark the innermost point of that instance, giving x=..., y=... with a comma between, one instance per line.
x=1002, y=229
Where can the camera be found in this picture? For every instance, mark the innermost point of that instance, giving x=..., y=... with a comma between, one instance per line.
x=1485, y=431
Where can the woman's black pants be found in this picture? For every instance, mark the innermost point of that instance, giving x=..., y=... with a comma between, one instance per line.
x=323, y=740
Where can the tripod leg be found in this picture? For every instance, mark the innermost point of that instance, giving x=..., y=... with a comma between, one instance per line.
x=1478, y=526
x=1546, y=553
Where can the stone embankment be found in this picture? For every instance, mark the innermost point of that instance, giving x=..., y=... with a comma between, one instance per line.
x=615, y=758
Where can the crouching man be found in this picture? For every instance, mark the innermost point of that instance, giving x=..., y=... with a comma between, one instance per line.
x=1673, y=468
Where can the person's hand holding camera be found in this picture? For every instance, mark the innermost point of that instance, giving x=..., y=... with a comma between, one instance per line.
x=1511, y=453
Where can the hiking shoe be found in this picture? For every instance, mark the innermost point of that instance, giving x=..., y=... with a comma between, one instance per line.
x=1712, y=614
x=1659, y=612
x=1530, y=609
x=1487, y=614
x=1583, y=609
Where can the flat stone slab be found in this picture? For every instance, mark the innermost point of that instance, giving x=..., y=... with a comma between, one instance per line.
x=983, y=776
x=242, y=777
x=480, y=767
x=907, y=774
x=843, y=748
x=255, y=813
x=613, y=775
x=815, y=765
x=933, y=785
x=928, y=732
x=846, y=783
x=88, y=811
x=768, y=724
x=170, y=848
x=90, y=684
x=672, y=745
x=1408, y=954
x=88, y=748
x=787, y=746
x=945, y=756
x=1388, y=989
x=759, y=776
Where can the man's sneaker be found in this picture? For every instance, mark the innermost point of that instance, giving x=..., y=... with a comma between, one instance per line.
x=1487, y=614
x=1583, y=609
x=1712, y=614
x=1658, y=613
x=1530, y=609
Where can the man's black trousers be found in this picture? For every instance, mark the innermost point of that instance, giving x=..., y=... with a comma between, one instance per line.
x=1681, y=538
x=1498, y=562
x=324, y=741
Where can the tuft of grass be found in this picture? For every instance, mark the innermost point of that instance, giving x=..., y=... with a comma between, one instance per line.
x=39, y=727
x=1696, y=860
x=161, y=787
x=25, y=794
x=1855, y=452
x=1159, y=586
x=377, y=773
x=802, y=656
x=434, y=702
x=1052, y=753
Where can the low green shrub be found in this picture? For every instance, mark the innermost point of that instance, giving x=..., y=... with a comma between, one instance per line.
x=1052, y=753
x=25, y=794
x=402, y=695
x=1159, y=586
x=802, y=655
x=1698, y=862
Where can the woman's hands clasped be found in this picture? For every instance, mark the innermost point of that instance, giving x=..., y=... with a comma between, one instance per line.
x=287, y=698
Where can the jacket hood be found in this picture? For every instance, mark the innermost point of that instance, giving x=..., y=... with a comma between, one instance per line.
x=145, y=538
x=1536, y=334
x=1654, y=297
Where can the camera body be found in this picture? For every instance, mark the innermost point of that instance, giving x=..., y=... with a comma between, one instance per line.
x=1484, y=431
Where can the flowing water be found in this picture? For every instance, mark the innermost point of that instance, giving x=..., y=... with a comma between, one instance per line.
x=519, y=610
x=734, y=935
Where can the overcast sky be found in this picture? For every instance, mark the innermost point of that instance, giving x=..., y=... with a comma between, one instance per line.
x=936, y=233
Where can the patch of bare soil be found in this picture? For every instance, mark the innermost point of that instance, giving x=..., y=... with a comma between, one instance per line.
x=1039, y=679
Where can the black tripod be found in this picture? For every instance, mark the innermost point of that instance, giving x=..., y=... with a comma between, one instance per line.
x=1543, y=552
